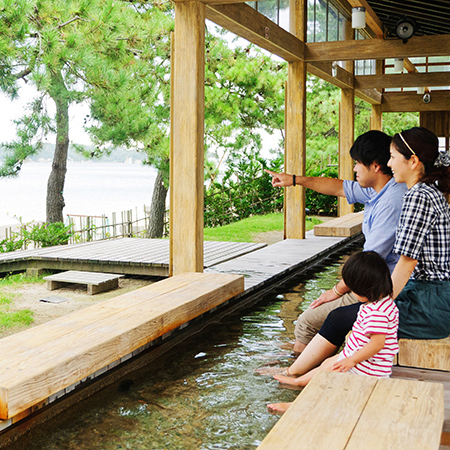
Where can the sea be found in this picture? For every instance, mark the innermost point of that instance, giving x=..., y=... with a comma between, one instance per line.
x=91, y=189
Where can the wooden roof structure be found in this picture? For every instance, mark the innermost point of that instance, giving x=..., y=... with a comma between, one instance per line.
x=333, y=61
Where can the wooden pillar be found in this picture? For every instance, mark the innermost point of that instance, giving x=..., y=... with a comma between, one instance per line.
x=346, y=130
x=295, y=124
x=376, y=117
x=187, y=139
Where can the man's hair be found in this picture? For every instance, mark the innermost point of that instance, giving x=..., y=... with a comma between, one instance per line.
x=372, y=147
x=367, y=275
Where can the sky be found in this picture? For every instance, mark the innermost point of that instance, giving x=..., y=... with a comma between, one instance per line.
x=11, y=110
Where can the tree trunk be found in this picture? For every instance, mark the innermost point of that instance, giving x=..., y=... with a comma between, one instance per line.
x=55, y=185
x=158, y=208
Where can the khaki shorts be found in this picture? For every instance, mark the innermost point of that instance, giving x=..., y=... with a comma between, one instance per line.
x=309, y=322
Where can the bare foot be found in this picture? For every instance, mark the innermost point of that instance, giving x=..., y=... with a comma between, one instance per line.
x=287, y=346
x=292, y=381
x=270, y=370
x=278, y=408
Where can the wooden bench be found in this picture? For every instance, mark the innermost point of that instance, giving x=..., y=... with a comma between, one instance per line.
x=96, y=282
x=343, y=411
x=41, y=361
x=424, y=354
x=344, y=226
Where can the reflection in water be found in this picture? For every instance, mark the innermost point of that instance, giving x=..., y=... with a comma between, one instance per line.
x=204, y=394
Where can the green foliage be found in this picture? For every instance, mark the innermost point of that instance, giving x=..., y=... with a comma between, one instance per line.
x=319, y=203
x=40, y=235
x=245, y=190
x=48, y=234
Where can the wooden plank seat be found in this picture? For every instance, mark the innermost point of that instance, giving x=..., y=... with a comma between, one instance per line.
x=343, y=411
x=43, y=360
x=96, y=281
x=344, y=226
x=424, y=354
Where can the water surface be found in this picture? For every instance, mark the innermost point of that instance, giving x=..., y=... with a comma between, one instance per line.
x=204, y=394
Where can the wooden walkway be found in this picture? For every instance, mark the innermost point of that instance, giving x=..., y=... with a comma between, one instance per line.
x=263, y=267
x=129, y=256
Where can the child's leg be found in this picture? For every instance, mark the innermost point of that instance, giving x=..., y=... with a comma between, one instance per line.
x=306, y=378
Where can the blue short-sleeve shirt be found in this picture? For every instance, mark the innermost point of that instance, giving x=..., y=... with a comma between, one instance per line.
x=381, y=215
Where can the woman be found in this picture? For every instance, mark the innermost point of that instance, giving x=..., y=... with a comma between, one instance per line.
x=421, y=278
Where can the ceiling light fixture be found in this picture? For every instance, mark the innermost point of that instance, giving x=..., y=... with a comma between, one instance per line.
x=398, y=65
x=359, y=17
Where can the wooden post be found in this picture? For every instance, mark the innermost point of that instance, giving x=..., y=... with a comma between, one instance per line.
x=346, y=130
x=295, y=124
x=376, y=117
x=187, y=139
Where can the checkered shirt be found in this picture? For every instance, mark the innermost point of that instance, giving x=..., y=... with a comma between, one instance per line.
x=423, y=232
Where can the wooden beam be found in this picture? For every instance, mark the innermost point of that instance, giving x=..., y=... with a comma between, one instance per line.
x=372, y=20
x=187, y=133
x=248, y=23
x=411, y=102
x=346, y=128
x=344, y=80
x=337, y=76
x=376, y=118
x=402, y=80
x=435, y=45
x=295, y=124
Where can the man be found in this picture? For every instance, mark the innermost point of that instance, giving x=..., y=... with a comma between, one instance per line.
x=382, y=199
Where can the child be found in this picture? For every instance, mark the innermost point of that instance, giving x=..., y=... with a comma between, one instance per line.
x=373, y=343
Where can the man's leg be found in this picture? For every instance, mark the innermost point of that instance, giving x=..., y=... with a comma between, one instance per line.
x=309, y=322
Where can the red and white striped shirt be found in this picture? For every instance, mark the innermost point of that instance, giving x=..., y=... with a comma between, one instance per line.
x=380, y=317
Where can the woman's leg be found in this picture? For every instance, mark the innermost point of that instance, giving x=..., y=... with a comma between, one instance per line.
x=331, y=336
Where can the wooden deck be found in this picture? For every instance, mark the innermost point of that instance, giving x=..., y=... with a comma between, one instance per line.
x=129, y=256
x=262, y=267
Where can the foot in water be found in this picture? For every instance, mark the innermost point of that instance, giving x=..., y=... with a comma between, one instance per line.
x=270, y=371
x=290, y=380
x=278, y=408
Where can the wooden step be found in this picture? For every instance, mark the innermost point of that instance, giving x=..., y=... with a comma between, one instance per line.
x=425, y=354
x=41, y=361
x=344, y=226
x=96, y=281
x=339, y=411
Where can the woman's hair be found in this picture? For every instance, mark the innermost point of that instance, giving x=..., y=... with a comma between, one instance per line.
x=425, y=145
x=367, y=275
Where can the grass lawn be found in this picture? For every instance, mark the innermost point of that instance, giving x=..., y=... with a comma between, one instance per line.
x=246, y=229
x=8, y=316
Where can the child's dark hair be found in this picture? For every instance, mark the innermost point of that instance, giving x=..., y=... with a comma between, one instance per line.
x=367, y=275
x=425, y=145
x=372, y=147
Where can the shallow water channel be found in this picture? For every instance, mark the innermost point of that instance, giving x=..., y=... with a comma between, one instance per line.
x=204, y=394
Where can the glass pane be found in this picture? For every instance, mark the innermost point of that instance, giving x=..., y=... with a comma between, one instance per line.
x=284, y=14
x=269, y=9
x=321, y=21
x=342, y=21
x=310, y=32
x=333, y=24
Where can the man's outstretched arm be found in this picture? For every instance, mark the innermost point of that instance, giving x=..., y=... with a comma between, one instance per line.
x=323, y=185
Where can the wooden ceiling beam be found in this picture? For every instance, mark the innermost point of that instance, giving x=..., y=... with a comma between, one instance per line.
x=249, y=24
x=343, y=79
x=411, y=102
x=402, y=80
x=435, y=45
